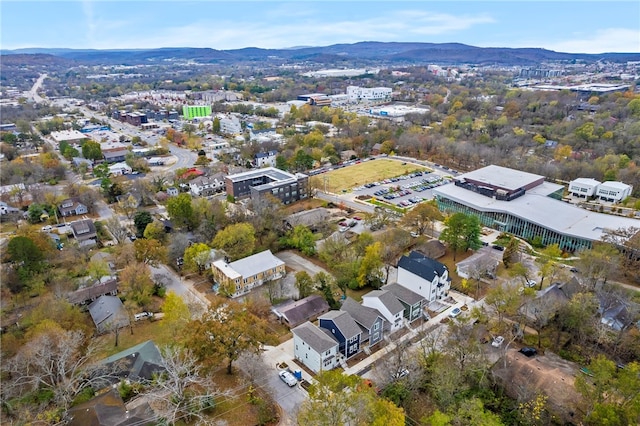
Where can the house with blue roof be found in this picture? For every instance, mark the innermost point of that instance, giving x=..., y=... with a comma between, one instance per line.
x=424, y=276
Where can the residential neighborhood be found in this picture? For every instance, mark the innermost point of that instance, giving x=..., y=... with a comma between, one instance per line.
x=369, y=233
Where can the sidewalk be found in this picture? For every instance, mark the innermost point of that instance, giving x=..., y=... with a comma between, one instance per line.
x=275, y=355
x=461, y=299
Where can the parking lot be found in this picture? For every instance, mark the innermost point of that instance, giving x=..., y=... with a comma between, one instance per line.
x=404, y=190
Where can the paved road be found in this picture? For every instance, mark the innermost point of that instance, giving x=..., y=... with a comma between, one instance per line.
x=33, y=92
x=367, y=208
x=180, y=286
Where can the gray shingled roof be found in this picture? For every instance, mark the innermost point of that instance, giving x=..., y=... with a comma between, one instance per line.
x=363, y=315
x=314, y=337
x=304, y=309
x=404, y=294
x=345, y=323
x=388, y=300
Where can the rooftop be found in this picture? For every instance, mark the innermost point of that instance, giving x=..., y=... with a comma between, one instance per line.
x=249, y=266
x=403, y=294
x=544, y=211
x=363, y=315
x=421, y=265
x=502, y=177
x=343, y=321
x=314, y=337
x=387, y=299
x=271, y=172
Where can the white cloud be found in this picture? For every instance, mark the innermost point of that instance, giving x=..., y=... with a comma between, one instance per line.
x=601, y=41
x=305, y=29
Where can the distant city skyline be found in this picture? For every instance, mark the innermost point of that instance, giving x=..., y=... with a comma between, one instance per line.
x=564, y=26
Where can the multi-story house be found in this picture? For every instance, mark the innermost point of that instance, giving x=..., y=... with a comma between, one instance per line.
x=388, y=305
x=370, y=321
x=265, y=159
x=317, y=350
x=424, y=276
x=205, y=186
x=411, y=301
x=237, y=278
x=344, y=329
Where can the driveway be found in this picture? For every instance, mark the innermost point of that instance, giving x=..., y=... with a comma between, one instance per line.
x=179, y=286
x=299, y=263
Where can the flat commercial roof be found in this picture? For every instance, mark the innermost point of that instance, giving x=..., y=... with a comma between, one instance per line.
x=502, y=177
x=537, y=208
x=272, y=172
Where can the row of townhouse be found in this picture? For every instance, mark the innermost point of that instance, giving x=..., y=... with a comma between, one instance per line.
x=342, y=334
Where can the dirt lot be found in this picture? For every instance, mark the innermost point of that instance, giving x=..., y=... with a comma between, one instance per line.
x=358, y=174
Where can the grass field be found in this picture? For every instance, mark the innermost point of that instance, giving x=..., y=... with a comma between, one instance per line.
x=358, y=174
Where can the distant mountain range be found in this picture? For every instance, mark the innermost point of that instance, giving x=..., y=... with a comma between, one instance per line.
x=363, y=52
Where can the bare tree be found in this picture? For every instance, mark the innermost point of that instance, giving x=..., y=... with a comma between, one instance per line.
x=117, y=229
x=57, y=360
x=182, y=391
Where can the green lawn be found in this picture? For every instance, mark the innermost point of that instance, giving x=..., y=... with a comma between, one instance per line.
x=359, y=174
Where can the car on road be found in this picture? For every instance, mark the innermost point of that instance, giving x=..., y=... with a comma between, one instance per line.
x=357, y=218
x=455, y=312
x=574, y=270
x=497, y=342
x=414, y=234
x=288, y=378
x=47, y=228
x=528, y=351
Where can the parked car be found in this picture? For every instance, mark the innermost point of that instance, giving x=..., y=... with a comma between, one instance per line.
x=403, y=372
x=528, y=351
x=414, y=234
x=47, y=228
x=531, y=283
x=142, y=315
x=497, y=342
x=288, y=378
x=455, y=312
x=574, y=270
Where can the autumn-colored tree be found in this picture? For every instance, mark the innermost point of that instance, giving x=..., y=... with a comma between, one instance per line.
x=176, y=314
x=370, y=272
x=196, y=257
x=155, y=231
x=181, y=211
x=224, y=332
x=304, y=284
x=237, y=240
x=136, y=283
x=338, y=399
x=150, y=252
x=422, y=217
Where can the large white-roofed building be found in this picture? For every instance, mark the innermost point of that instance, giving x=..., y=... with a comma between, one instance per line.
x=525, y=205
x=237, y=278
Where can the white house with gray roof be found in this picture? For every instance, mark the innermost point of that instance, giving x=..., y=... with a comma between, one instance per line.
x=316, y=349
x=388, y=305
x=411, y=301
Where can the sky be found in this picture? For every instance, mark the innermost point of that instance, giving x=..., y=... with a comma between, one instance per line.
x=574, y=26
